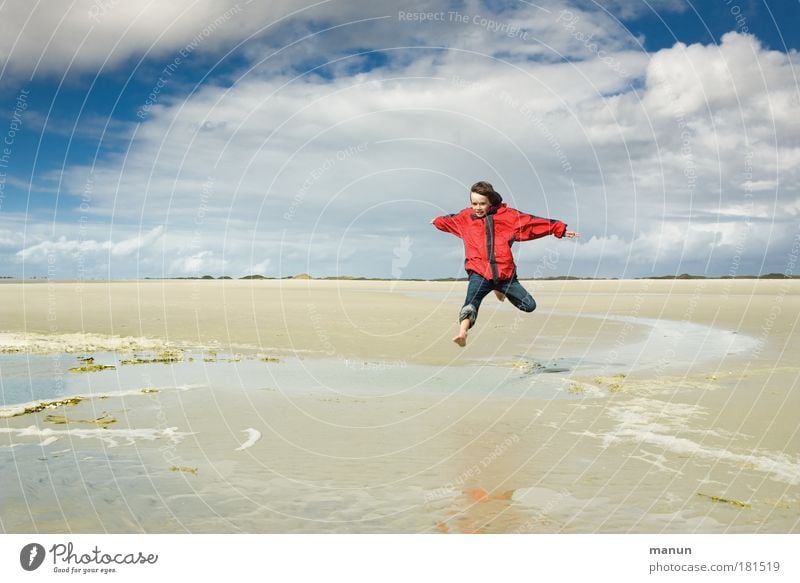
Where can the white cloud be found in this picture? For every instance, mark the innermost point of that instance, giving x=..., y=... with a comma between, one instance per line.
x=311, y=153
x=128, y=246
x=759, y=185
x=287, y=173
x=90, y=35
x=95, y=34
x=737, y=75
x=10, y=239
x=793, y=207
x=45, y=250
x=261, y=268
x=202, y=261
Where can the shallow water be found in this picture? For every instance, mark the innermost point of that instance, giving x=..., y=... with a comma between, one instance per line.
x=223, y=443
x=25, y=378
x=227, y=460
x=665, y=347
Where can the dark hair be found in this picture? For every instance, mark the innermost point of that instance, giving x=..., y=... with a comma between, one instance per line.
x=488, y=191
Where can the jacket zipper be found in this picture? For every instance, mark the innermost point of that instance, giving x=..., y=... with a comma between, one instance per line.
x=490, y=246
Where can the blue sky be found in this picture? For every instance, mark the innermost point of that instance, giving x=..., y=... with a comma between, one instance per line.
x=234, y=138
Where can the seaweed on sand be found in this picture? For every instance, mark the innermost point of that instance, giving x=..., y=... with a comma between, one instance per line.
x=102, y=421
x=164, y=357
x=614, y=384
x=49, y=405
x=91, y=368
x=725, y=500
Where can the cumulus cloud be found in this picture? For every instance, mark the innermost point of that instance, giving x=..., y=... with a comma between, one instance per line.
x=45, y=250
x=261, y=268
x=94, y=35
x=89, y=35
x=199, y=262
x=564, y=140
x=792, y=208
x=350, y=126
x=10, y=239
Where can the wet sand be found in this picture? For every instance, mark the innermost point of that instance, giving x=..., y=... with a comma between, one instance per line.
x=618, y=406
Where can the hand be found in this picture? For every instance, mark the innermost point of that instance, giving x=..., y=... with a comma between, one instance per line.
x=571, y=234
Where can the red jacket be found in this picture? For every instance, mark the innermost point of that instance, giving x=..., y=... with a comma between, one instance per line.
x=488, y=240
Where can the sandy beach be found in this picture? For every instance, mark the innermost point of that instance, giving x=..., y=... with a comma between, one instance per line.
x=343, y=406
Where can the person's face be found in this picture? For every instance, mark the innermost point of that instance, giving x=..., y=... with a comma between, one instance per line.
x=480, y=204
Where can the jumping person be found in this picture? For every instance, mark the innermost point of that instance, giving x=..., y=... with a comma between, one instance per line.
x=488, y=228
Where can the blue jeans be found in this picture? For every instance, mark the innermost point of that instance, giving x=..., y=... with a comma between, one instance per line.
x=479, y=287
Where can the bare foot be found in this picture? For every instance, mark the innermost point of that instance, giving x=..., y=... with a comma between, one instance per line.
x=500, y=295
x=463, y=330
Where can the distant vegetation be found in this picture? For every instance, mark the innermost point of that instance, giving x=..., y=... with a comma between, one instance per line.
x=552, y=278
x=306, y=276
x=688, y=276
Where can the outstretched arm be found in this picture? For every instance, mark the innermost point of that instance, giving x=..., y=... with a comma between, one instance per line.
x=448, y=224
x=532, y=227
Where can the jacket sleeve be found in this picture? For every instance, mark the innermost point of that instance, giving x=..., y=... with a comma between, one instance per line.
x=529, y=227
x=449, y=224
